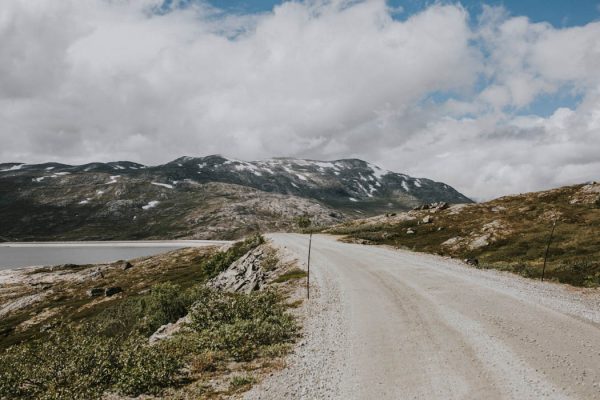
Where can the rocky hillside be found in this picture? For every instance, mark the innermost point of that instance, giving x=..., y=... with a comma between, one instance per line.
x=209, y=197
x=509, y=233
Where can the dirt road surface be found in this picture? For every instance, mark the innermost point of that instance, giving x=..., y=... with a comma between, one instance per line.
x=390, y=324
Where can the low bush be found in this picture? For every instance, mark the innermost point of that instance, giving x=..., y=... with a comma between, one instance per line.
x=240, y=381
x=293, y=274
x=240, y=324
x=76, y=363
x=163, y=304
x=270, y=260
x=581, y=272
x=146, y=369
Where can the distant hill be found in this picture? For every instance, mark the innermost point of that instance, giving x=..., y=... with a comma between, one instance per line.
x=205, y=197
x=510, y=233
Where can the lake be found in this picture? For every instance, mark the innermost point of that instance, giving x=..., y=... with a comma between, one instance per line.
x=14, y=255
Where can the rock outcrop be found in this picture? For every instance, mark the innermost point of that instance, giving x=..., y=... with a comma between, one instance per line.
x=588, y=194
x=247, y=273
x=167, y=331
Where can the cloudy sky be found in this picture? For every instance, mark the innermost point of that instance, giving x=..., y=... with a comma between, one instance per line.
x=491, y=98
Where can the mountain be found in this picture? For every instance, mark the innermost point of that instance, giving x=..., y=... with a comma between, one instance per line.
x=205, y=197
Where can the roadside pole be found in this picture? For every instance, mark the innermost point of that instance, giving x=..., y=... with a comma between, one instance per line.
x=308, y=268
x=547, y=249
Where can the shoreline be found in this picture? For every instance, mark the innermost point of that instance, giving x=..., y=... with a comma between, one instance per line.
x=120, y=243
x=18, y=255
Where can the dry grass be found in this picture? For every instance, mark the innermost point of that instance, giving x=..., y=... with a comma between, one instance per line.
x=509, y=233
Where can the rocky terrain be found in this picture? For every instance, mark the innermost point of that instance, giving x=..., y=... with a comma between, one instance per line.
x=174, y=304
x=200, y=198
x=510, y=233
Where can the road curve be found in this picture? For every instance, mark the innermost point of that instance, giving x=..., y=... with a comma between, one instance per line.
x=388, y=324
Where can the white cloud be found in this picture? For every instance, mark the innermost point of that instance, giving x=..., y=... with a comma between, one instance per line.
x=84, y=80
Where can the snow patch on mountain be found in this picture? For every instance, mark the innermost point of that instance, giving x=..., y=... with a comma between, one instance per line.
x=165, y=185
x=378, y=172
x=13, y=168
x=151, y=204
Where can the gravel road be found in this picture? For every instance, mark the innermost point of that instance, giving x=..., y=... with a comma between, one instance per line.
x=389, y=324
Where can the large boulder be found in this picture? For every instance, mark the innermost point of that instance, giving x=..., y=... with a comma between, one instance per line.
x=246, y=274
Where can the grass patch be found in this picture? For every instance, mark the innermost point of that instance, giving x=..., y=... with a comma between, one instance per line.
x=293, y=274
x=240, y=325
x=241, y=381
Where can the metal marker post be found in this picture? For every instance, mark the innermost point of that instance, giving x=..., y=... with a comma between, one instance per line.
x=308, y=268
x=547, y=249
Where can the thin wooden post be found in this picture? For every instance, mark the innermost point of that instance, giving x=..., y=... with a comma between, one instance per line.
x=547, y=249
x=308, y=268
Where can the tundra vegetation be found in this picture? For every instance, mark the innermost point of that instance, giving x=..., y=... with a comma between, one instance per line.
x=93, y=347
x=510, y=233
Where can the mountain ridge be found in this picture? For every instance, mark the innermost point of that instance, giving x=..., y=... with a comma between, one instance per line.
x=199, y=197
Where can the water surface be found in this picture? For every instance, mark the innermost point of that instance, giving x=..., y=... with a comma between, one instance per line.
x=15, y=255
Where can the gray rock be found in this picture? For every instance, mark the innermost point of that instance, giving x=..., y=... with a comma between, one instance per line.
x=244, y=275
x=167, y=331
x=472, y=261
x=112, y=291
x=410, y=231
x=95, y=292
x=126, y=265
x=440, y=205
x=97, y=274
x=427, y=220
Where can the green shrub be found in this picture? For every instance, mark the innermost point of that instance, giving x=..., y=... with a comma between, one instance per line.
x=270, y=260
x=240, y=324
x=581, y=272
x=239, y=381
x=68, y=364
x=526, y=270
x=296, y=273
x=145, y=369
x=77, y=363
x=592, y=281
x=276, y=350
x=303, y=222
x=165, y=303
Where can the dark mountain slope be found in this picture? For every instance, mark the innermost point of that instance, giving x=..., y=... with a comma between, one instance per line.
x=208, y=197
